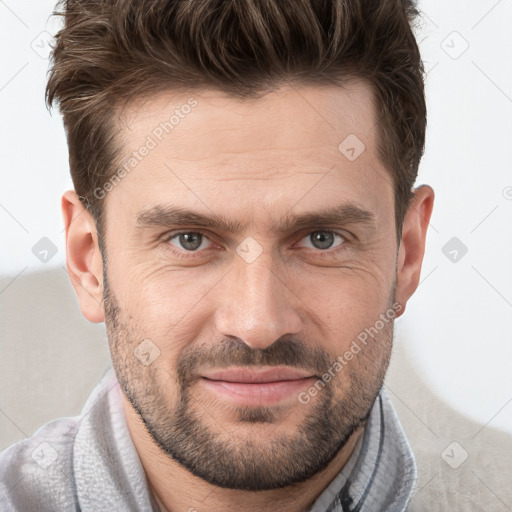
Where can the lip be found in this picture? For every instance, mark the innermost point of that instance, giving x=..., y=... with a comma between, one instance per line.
x=256, y=386
x=257, y=375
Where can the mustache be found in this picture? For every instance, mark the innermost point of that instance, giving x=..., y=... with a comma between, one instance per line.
x=232, y=351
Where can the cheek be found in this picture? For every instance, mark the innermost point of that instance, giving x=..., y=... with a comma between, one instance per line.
x=167, y=307
x=156, y=291
x=168, y=304
x=343, y=304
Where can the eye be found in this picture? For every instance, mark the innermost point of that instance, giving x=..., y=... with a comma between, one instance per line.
x=194, y=242
x=323, y=240
x=190, y=241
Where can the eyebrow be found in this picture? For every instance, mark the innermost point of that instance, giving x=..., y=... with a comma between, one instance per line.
x=169, y=215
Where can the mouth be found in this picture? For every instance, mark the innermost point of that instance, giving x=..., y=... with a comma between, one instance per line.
x=256, y=386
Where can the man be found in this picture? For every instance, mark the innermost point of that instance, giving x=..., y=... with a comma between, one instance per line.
x=244, y=222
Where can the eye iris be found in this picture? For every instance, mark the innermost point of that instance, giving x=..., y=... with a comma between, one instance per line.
x=190, y=241
x=322, y=239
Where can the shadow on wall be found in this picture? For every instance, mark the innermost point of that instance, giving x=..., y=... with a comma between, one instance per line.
x=463, y=465
x=52, y=357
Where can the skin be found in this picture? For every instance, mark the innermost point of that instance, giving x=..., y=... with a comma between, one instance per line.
x=252, y=161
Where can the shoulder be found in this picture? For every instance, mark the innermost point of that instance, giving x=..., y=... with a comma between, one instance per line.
x=37, y=473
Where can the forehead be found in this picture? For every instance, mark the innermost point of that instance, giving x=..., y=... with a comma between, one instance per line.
x=282, y=118
x=313, y=144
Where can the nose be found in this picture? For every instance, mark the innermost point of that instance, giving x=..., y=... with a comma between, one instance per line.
x=256, y=304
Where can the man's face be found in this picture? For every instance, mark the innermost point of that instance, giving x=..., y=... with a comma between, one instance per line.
x=219, y=335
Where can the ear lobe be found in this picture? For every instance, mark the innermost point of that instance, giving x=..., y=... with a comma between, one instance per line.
x=412, y=245
x=83, y=257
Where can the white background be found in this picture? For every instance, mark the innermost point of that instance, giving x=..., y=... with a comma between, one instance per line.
x=455, y=339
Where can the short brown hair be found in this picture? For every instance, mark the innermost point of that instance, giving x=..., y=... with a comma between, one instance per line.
x=111, y=51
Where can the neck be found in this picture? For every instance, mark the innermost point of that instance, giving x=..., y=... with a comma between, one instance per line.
x=176, y=489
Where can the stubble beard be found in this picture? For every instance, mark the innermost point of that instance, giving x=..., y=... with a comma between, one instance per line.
x=185, y=431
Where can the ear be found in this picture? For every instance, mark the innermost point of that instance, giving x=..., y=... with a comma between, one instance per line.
x=412, y=244
x=83, y=257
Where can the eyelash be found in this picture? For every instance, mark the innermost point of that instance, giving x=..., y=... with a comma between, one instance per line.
x=192, y=254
